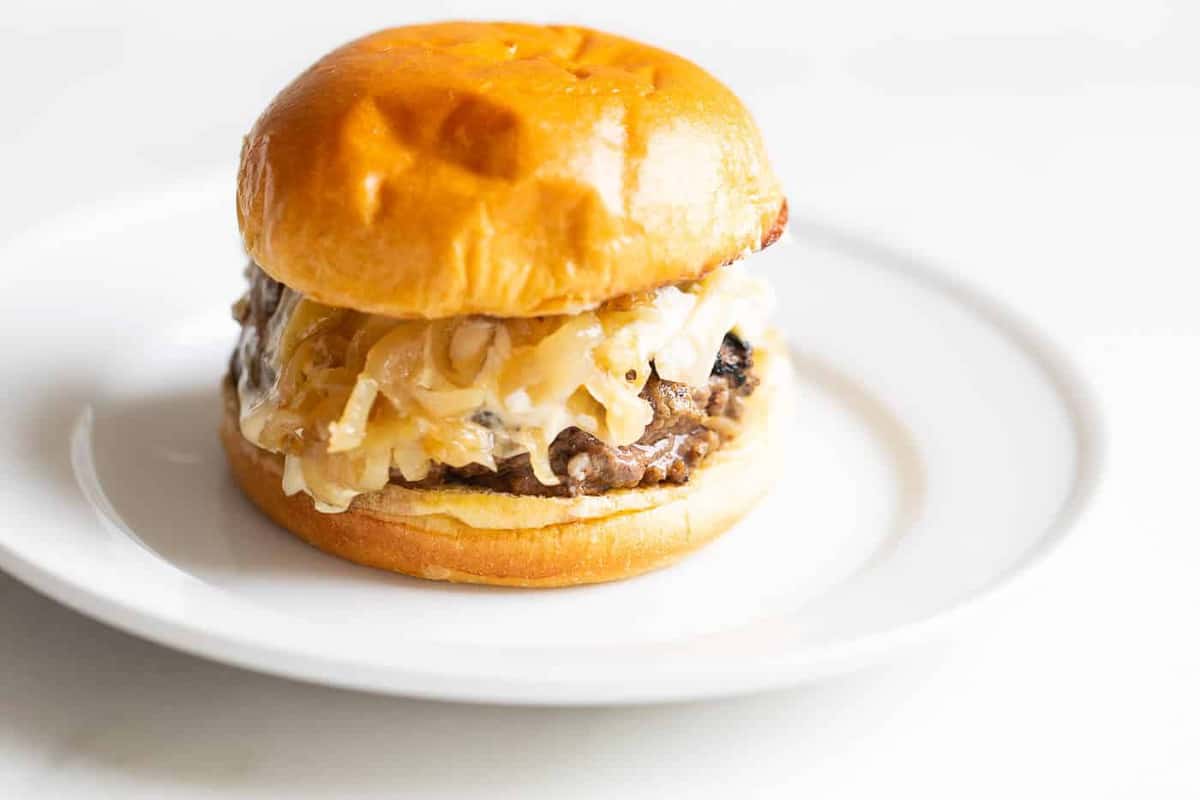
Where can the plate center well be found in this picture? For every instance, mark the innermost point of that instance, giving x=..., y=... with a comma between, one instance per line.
x=151, y=453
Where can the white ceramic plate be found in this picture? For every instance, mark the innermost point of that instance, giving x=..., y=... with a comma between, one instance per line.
x=940, y=451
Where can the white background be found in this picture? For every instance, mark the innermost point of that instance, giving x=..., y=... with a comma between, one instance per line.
x=1046, y=152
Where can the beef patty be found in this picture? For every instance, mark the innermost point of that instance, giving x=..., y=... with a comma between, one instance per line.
x=689, y=423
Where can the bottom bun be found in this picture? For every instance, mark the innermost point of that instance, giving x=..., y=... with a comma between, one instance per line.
x=539, y=541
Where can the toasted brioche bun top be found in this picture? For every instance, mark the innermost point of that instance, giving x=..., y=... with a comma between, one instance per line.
x=502, y=169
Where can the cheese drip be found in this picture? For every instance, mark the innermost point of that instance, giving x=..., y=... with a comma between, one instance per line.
x=355, y=396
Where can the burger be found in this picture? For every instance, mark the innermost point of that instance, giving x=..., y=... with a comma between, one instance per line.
x=498, y=327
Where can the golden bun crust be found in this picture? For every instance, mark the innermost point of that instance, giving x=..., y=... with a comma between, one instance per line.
x=533, y=541
x=503, y=169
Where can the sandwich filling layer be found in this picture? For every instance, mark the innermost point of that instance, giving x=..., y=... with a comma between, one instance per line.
x=635, y=392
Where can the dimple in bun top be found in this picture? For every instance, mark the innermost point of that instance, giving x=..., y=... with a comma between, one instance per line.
x=501, y=169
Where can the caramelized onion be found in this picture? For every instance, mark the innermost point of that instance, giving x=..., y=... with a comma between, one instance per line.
x=356, y=395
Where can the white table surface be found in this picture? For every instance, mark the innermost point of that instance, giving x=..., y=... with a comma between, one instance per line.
x=1046, y=152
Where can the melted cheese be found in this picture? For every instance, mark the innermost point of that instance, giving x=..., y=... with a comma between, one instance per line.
x=354, y=396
